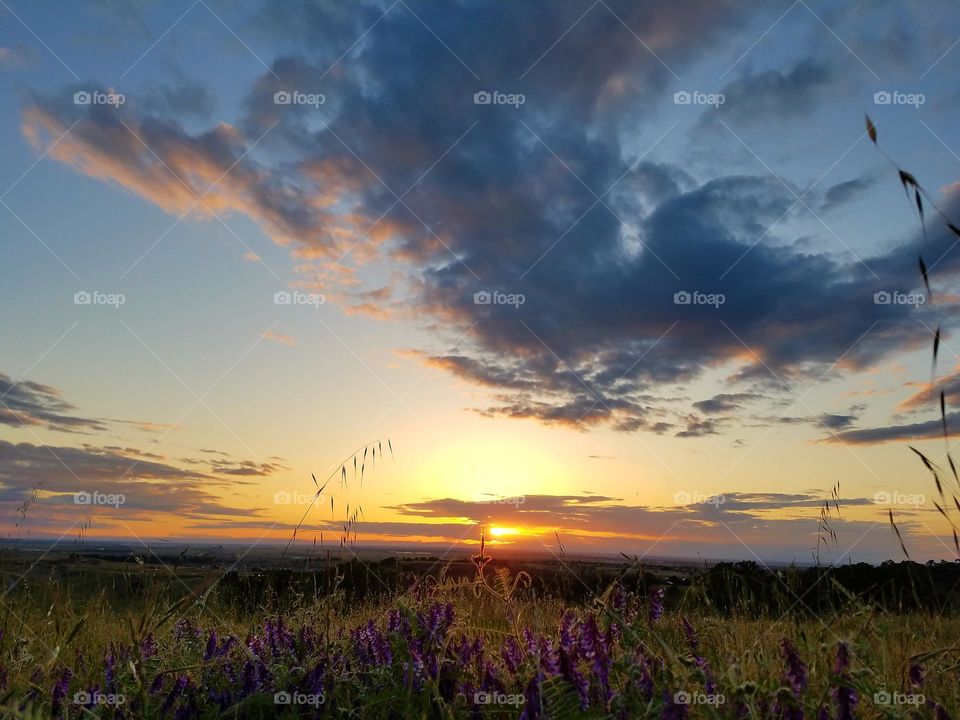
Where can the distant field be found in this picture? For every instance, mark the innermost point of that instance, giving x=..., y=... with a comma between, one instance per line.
x=137, y=635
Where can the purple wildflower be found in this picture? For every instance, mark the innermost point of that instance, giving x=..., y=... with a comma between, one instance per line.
x=211, y=647
x=589, y=637
x=655, y=609
x=148, y=646
x=251, y=680
x=490, y=679
x=571, y=673
x=915, y=676
x=370, y=646
x=313, y=681
x=645, y=680
x=110, y=669
x=462, y=650
x=844, y=694
x=180, y=686
x=255, y=645
x=548, y=657
x=279, y=638
x=595, y=647
x=533, y=705
x=186, y=630
x=618, y=598
x=395, y=621
x=796, y=674
x=60, y=690
x=512, y=657
x=568, y=624
x=530, y=641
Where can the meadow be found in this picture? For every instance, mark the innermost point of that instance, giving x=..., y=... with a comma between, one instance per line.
x=152, y=637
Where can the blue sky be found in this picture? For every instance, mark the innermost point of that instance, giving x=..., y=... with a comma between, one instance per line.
x=630, y=152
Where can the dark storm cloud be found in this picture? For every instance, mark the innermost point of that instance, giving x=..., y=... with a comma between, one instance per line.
x=505, y=199
x=698, y=427
x=25, y=403
x=911, y=431
x=845, y=192
x=725, y=402
x=773, y=95
x=836, y=422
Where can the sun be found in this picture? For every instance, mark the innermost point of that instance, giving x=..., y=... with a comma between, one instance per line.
x=499, y=532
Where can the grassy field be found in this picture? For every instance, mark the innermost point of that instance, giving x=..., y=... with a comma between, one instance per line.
x=86, y=637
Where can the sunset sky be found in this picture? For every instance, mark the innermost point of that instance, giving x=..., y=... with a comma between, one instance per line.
x=180, y=164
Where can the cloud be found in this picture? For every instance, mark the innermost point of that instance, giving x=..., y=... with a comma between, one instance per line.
x=725, y=402
x=58, y=468
x=25, y=403
x=183, y=174
x=287, y=340
x=698, y=427
x=929, y=395
x=773, y=95
x=151, y=483
x=836, y=422
x=912, y=431
x=843, y=193
x=504, y=199
x=245, y=468
x=779, y=523
x=151, y=486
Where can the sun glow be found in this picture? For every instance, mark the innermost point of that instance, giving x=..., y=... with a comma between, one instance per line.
x=499, y=532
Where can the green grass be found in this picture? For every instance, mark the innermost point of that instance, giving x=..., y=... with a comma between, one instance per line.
x=50, y=626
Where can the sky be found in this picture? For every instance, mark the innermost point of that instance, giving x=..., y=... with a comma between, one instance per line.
x=622, y=277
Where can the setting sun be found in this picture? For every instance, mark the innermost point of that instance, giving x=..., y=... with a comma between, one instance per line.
x=499, y=532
